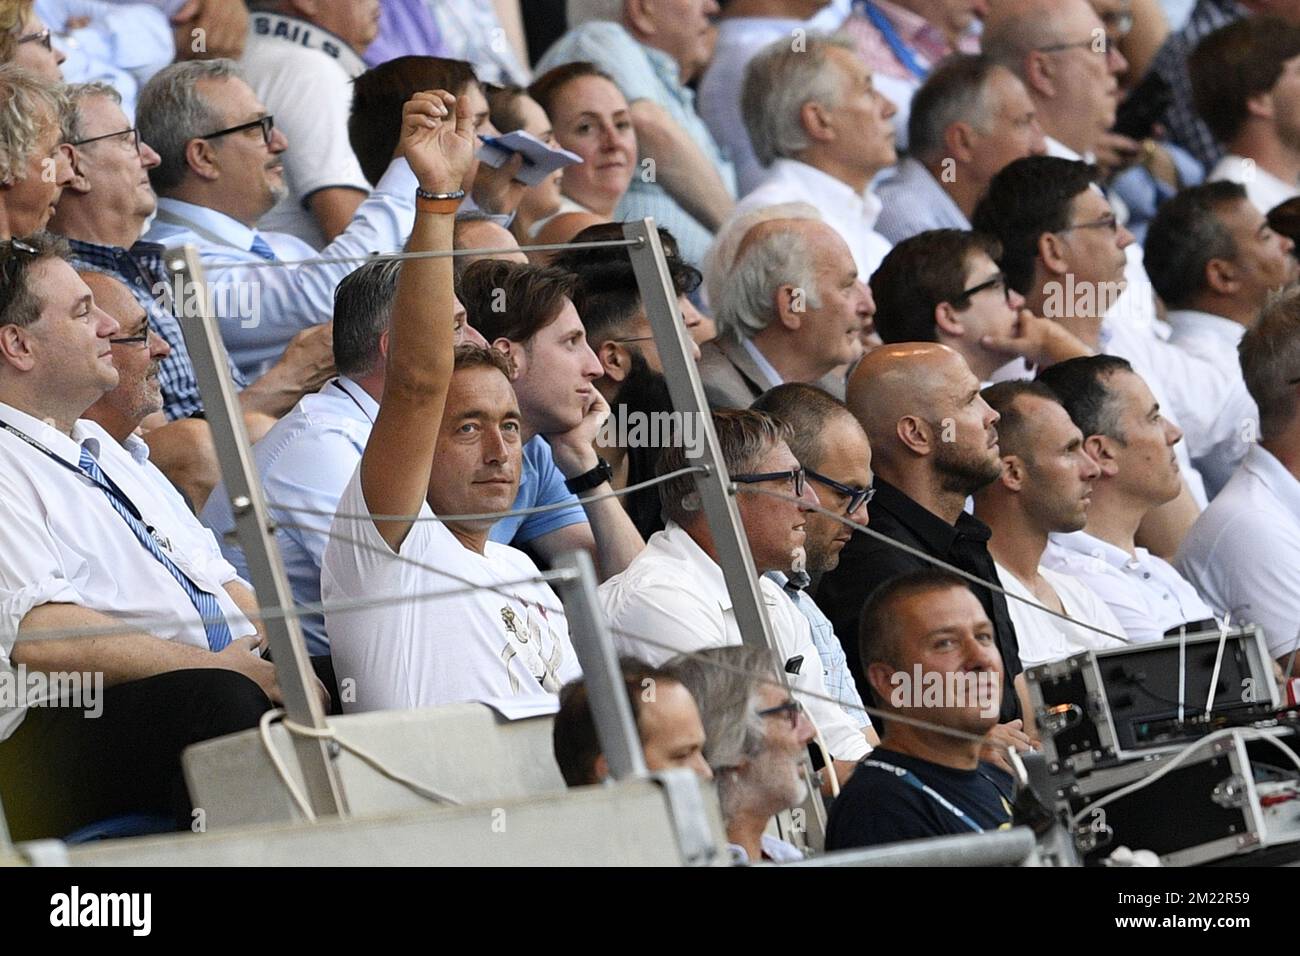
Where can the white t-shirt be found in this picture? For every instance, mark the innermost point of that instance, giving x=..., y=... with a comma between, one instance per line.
x=303, y=74
x=1043, y=637
x=414, y=647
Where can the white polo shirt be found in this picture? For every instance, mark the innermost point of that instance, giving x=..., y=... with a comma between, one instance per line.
x=1243, y=553
x=1144, y=592
x=1044, y=637
x=1263, y=189
x=676, y=594
x=426, y=641
x=62, y=542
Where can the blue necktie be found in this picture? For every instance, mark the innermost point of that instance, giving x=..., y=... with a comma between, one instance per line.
x=214, y=619
x=260, y=248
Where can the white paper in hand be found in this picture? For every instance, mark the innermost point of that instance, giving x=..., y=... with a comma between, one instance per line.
x=540, y=160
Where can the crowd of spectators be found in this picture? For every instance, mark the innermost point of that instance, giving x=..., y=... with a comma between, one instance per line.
x=988, y=299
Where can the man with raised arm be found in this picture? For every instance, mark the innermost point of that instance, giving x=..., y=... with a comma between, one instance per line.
x=427, y=612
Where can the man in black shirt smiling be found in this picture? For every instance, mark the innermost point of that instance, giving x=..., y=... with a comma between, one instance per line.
x=933, y=444
x=929, y=653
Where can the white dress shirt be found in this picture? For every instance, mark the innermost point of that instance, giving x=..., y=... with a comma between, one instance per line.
x=675, y=592
x=740, y=39
x=262, y=308
x=62, y=541
x=1262, y=188
x=1043, y=637
x=1235, y=427
x=290, y=62
x=1243, y=553
x=853, y=215
x=1144, y=592
x=913, y=201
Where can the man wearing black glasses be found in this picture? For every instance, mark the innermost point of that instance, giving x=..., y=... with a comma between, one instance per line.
x=221, y=169
x=102, y=213
x=945, y=286
x=673, y=599
x=836, y=458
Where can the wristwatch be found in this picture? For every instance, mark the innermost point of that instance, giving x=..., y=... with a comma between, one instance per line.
x=602, y=473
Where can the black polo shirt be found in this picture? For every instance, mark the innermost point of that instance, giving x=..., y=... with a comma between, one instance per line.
x=866, y=563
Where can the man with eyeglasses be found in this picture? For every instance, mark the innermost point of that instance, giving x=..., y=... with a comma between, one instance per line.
x=945, y=286
x=1063, y=249
x=755, y=735
x=35, y=162
x=934, y=442
x=102, y=213
x=673, y=598
x=833, y=450
x=793, y=308
x=221, y=169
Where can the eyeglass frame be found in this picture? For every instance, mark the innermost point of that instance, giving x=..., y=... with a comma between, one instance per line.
x=140, y=339
x=133, y=130
x=43, y=37
x=267, y=123
x=798, y=475
x=1110, y=222
x=988, y=283
x=858, y=497
x=1090, y=44
x=792, y=708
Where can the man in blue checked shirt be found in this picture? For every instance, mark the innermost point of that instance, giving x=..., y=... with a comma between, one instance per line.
x=836, y=457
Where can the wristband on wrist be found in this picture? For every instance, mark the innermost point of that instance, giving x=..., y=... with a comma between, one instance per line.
x=438, y=203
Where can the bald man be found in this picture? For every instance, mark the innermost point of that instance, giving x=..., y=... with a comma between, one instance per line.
x=182, y=450
x=933, y=444
x=1060, y=50
x=475, y=231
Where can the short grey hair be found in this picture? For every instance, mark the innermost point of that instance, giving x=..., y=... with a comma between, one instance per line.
x=1270, y=362
x=747, y=305
x=76, y=94
x=779, y=81
x=578, y=12
x=363, y=310
x=958, y=91
x=725, y=682
x=26, y=101
x=721, y=257
x=170, y=112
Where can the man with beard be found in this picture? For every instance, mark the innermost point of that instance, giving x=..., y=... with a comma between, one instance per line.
x=754, y=739
x=923, y=781
x=1045, y=487
x=833, y=450
x=933, y=444
x=608, y=301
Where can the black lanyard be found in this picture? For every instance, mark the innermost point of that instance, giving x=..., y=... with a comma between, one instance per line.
x=338, y=383
x=107, y=485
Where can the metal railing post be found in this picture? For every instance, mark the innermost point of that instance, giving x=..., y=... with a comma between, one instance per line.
x=254, y=528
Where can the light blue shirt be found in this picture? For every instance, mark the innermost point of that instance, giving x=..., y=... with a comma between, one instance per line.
x=306, y=461
x=123, y=44
x=835, y=667
x=262, y=307
x=646, y=73
x=913, y=202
